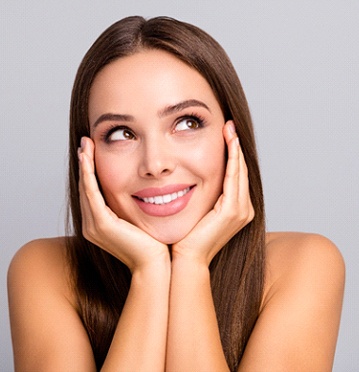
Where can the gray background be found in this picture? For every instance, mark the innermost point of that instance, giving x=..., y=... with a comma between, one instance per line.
x=299, y=65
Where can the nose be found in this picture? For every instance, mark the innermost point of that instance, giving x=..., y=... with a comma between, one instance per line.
x=157, y=158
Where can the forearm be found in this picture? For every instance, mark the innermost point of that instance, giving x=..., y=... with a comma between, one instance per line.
x=139, y=343
x=193, y=335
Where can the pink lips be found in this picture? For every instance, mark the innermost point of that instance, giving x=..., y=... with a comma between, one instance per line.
x=156, y=201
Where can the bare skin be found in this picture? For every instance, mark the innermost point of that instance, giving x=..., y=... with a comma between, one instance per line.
x=297, y=328
x=299, y=318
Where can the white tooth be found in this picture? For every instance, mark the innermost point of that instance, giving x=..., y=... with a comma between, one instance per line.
x=158, y=200
x=167, y=198
x=163, y=199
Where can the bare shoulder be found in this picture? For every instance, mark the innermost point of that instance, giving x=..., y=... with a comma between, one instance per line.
x=299, y=319
x=44, y=321
x=301, y=256
x=43, y=261
x=47, y=254
x=41, y=248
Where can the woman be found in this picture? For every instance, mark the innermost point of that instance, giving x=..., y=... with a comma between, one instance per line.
x=166, y=268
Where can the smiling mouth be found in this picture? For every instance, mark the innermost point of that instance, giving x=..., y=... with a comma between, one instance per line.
x=165, y=199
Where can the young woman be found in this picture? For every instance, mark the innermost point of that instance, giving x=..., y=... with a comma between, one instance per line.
x=169, y=266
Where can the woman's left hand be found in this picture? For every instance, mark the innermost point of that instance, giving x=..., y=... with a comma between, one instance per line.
x=232, y=211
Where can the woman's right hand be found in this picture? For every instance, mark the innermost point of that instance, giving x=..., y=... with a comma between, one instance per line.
x=101, y=226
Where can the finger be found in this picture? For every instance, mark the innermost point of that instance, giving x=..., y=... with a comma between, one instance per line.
x=91, y=198
x=236, y=182
x=86, y=213
x=244, y=197
x=231, y=178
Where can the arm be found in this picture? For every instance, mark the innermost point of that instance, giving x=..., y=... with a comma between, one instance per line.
x=193, y=336
x=47, y=332
x=139, y=343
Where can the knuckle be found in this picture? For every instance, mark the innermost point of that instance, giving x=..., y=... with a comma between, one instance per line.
x=251, y=214
x=88, y=231
x=232, y=214
x=91, y=228
x=88, y=193
x=100, y=227
x=241, y=215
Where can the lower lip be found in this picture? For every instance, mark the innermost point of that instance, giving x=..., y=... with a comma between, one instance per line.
x=168, y=209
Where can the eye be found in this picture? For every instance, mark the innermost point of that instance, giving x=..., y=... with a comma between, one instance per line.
x=119, y=134
x=188, y=123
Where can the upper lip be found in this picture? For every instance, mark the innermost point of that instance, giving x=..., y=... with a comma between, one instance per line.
x=159, y=191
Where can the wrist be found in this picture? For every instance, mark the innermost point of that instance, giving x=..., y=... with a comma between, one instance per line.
x=192, y=256
x=189, y=263
x=149, y=259
x=155, y=284
x=158, y=267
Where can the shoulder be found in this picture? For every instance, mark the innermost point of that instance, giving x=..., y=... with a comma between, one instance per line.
x=294, y=258
x=287, y=244
x=40, y=252
x=299, y=243
x=290, y=253
x=299, y=318
x=40, y=264
x=44, y=320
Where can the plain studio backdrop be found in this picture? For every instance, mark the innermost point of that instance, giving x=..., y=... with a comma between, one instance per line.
x=299, y=65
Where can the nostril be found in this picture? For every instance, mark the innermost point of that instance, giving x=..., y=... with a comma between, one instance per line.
x=156, y=164
x=163, y=172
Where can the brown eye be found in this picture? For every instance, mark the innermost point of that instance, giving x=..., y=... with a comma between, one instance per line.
x=120, y=134
x=187, y=124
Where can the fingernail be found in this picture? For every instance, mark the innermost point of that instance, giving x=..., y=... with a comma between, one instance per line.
x=232, y=128
x=83, y=142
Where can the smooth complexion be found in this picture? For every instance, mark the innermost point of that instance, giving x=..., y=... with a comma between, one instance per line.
x=159, y=147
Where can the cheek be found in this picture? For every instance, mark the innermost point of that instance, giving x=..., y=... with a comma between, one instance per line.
x=111, y=172
x=209, y=158
x=213, y=157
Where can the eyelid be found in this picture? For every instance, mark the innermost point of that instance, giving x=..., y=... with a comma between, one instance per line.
x=114, y=128
x=194, y=117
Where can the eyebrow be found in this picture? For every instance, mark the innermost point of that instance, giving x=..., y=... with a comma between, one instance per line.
x=113, y=117
x=168, y=110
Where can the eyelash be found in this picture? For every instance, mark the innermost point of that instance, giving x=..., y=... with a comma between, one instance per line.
x=193, y=117
x=113, y=128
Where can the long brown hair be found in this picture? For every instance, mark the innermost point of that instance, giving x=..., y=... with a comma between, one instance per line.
x=237, y=272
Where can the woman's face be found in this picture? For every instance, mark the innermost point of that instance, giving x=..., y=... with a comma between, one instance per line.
x=159, y=147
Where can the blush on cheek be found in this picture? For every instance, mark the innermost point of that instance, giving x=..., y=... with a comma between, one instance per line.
x=213, y=159
x=108, y=180
x=111, y=171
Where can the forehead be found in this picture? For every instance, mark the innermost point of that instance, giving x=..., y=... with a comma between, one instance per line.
x=151, y=79
x=145, y=63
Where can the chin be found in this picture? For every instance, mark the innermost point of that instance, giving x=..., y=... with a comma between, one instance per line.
x=169, y=240
x=167, y=237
